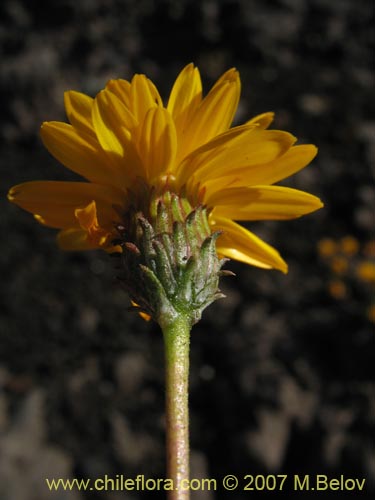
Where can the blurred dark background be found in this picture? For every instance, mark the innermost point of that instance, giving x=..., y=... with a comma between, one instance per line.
x=282, y=371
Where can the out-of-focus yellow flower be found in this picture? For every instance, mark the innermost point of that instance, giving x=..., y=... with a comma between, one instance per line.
x=129, y=146
x=327, y=247
x=349, y=245
x=339, y=264
x=366, y=271
x=337, y=289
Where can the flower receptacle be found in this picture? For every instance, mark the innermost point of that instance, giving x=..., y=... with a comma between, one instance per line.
x=169, y=261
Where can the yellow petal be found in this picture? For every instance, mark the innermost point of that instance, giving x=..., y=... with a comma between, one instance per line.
x=64, y=192
x=185, y=97
x=88, y=220
x=143, y=96
x=208, y=151
x=214, y=115
x=113, y=122
x=238, y=243
x=262, y=203
x=237, y=153
x=78, y=152
x=54, y=202
x=114, y=125
x=86, y=216
x=262, y=121
x=78, y=108
x=121, y=89
x=158, y=142
x=75, y=240
x=293, y=160
x=57, y=217
x=65, y=216
x=229, y=87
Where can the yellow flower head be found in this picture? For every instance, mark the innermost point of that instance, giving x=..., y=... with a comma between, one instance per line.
x=327, y=247
x=338, y=289
x=366, y=271
x=349, y=245
x=339, y=264
x=128, y=145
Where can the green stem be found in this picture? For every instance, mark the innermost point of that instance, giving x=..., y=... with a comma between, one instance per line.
x=177, y=339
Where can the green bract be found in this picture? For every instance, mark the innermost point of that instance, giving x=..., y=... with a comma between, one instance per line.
x=169, y=261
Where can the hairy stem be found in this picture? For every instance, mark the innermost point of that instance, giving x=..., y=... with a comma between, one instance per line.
x=177, y=339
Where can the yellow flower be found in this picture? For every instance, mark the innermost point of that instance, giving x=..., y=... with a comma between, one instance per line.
x=349, y=245
x=339, y=264
x=327, y=247
x=366, y=271
x=338, y=289
x=127, y=144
